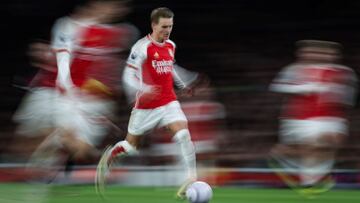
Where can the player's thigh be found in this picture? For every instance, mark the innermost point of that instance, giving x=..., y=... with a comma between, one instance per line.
x=95, y=106
x=93, y=123
x=90, y=129
x=174, y=118
x=144, y=120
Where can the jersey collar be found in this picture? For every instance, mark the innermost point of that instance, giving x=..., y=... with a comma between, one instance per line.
x=155, y=42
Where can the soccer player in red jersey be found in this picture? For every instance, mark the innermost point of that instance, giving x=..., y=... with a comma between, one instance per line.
x=150, y=75
x=88, y=46
x=314, y=120
x=73, y=96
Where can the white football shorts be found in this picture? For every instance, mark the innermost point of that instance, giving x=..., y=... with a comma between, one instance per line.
x=143, y=120
x=36, y=112
x=309, y=130
x=85, y=116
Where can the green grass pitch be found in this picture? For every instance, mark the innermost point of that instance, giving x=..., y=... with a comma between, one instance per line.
x=117, y=194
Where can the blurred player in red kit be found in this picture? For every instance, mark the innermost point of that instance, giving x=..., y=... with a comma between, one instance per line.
x=150, y=75
x=72, y=96
x=88, y=47
x=314, y=120
x=80, y=76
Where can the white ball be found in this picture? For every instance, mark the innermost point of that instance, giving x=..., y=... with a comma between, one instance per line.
x=199, y=192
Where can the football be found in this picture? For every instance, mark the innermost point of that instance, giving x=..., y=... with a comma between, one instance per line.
x=199, y=192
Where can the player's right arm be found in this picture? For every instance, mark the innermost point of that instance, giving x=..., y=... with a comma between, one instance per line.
x=132, y=76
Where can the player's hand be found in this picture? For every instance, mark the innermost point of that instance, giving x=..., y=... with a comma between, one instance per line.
x=197, y=88
x=187, y=92
x=65, y=89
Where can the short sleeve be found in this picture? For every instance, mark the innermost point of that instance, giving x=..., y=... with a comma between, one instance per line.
x=137, y=55
x=63, y=35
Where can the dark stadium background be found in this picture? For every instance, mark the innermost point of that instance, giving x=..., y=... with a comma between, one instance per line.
x=240, y=45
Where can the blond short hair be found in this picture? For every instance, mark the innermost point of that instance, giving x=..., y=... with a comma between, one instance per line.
x=161, y=12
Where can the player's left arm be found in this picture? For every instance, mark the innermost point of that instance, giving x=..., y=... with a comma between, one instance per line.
x=183, y=78
x=298, y=80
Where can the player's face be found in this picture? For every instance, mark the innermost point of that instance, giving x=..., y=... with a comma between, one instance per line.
x=162, y=29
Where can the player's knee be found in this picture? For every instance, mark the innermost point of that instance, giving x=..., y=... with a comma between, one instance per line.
x=177, y=126
x=182, y=135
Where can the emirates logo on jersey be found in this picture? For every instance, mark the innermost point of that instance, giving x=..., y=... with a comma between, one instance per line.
x=163, y=66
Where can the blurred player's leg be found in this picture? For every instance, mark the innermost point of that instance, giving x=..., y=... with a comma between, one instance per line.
x=42, y=168
x=315, y=171
x=312, y=164
x=46, y=157
x=285, y=165
x=181, y=192
x=101, y=172
x=176, y=122
x=110, y=154
x=183, y=139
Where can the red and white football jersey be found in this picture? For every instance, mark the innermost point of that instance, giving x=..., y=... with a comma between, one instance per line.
x=316, y=90
x=93, y=48
x=95, y=56
x=154, y=64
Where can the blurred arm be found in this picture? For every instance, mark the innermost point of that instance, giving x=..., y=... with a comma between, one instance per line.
x=182, y=77
x=132, y=83
x=305, y=88
x=62, y=43
x=63, y=79
x=295, y=79
x=130, y=79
